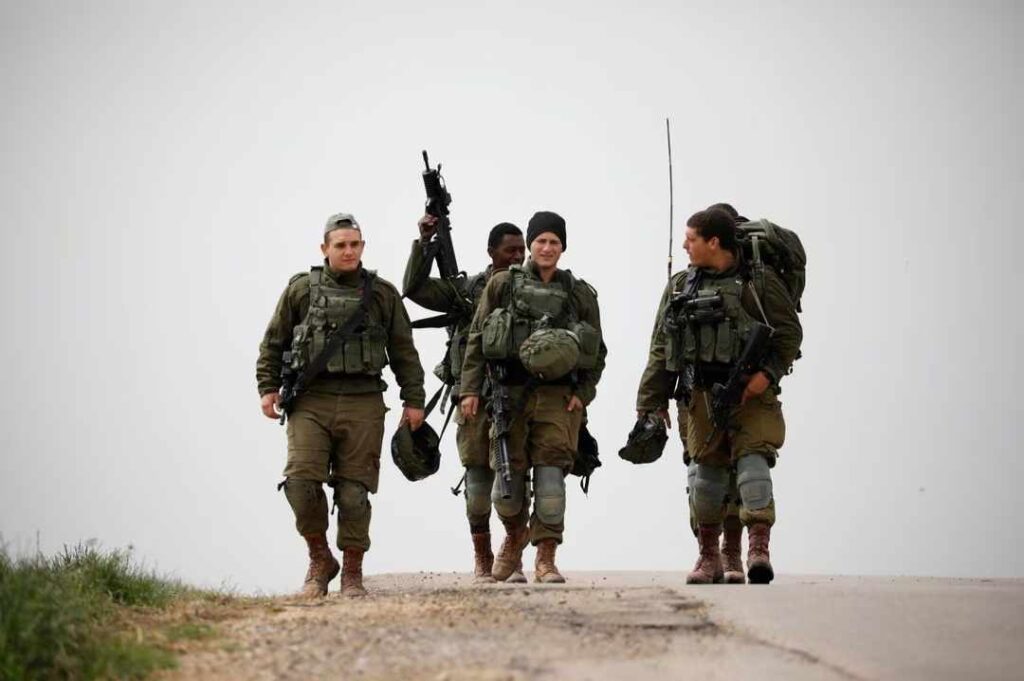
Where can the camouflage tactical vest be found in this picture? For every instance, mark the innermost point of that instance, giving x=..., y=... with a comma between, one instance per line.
x=330, y=307
x=533, y=305
x=705, y=320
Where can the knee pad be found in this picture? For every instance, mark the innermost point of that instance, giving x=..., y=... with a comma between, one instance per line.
x=309, y=504
x=754, y=479
x=510, y=508
x=710, y=487
x=549, y=499
x=352, y=499
x=303, y=492
x=479, y=481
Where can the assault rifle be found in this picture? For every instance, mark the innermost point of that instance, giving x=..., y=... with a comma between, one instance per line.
x=501, y=417
x=441, y=249
x=726, y=396
x=288, y=391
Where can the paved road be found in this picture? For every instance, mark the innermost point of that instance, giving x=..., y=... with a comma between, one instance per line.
x=841, y=628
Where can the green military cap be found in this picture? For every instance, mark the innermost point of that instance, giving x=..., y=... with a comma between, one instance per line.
x=341, y=220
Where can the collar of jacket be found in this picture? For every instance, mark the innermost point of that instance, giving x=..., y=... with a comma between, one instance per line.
x=531, y=267
x=353, y=278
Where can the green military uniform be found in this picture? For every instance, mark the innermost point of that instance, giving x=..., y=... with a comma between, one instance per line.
x=472, y=437
x=708, y=351
x=336, y=427
x=543, y=434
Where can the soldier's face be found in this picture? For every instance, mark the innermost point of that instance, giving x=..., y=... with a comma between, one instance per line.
x=698, y=248
x=511, y=251
x=344, y=249
x=546, y=249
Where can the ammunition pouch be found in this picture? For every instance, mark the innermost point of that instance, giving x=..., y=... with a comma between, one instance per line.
x=590, y=344
x=362, y=350
x=496, y=339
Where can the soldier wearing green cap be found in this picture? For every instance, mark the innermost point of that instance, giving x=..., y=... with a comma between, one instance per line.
x=543, y=324
x=336, y=425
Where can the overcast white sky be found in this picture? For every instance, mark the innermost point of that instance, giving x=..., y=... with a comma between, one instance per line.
x=166, y=167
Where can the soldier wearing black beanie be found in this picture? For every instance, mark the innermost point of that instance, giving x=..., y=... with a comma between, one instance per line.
x=546, y=221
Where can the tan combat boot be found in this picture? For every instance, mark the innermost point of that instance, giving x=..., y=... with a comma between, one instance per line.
x=759, y=565
x=352, y=572
x=322, y=566
x=708, y=569
x=732, y=552
x=546, y=572
x=517, y=576
x=483, y=559
x=509, y=558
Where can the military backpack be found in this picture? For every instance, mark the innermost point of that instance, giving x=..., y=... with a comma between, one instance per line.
x=765, y=244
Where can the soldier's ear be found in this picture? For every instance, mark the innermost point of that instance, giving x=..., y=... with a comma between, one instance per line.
x=323, y=249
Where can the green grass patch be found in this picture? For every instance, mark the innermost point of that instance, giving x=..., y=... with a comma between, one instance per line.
x=190, y=631
x=68, y=617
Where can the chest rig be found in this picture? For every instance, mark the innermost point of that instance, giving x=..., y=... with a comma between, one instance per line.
x=705, y=321
x=335, y=309
x=533, y=305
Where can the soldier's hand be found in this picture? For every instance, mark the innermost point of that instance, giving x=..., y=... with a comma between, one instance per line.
x=574, y=404
x=268, y=403
x=413, y=416
x=757, y=384
x=427, y=225
x=469, y=405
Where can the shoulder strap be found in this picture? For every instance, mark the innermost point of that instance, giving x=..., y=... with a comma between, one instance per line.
x=692, y=283
x=319, y=363
x=316, y=274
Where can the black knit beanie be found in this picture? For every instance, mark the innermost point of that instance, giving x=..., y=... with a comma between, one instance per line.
x=546, y=221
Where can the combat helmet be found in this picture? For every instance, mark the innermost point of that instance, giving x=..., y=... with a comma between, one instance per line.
x=550, y=353
x=415, y=452
x=646, y=441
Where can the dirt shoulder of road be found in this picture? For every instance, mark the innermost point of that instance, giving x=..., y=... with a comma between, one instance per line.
x=639, y=626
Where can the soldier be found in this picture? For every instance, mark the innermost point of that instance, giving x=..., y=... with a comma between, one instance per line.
x=732, y=527
x=543, y=325
x=505, y=247
x=336, y=426
x=700, y=352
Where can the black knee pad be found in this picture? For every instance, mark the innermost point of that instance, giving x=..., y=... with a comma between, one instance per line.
x=352, y=499
x=309, y=504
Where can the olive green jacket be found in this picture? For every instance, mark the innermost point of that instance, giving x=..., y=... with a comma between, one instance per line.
x=657, y=384
x=386, y=308
x=494, y=296
x=434, y=293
